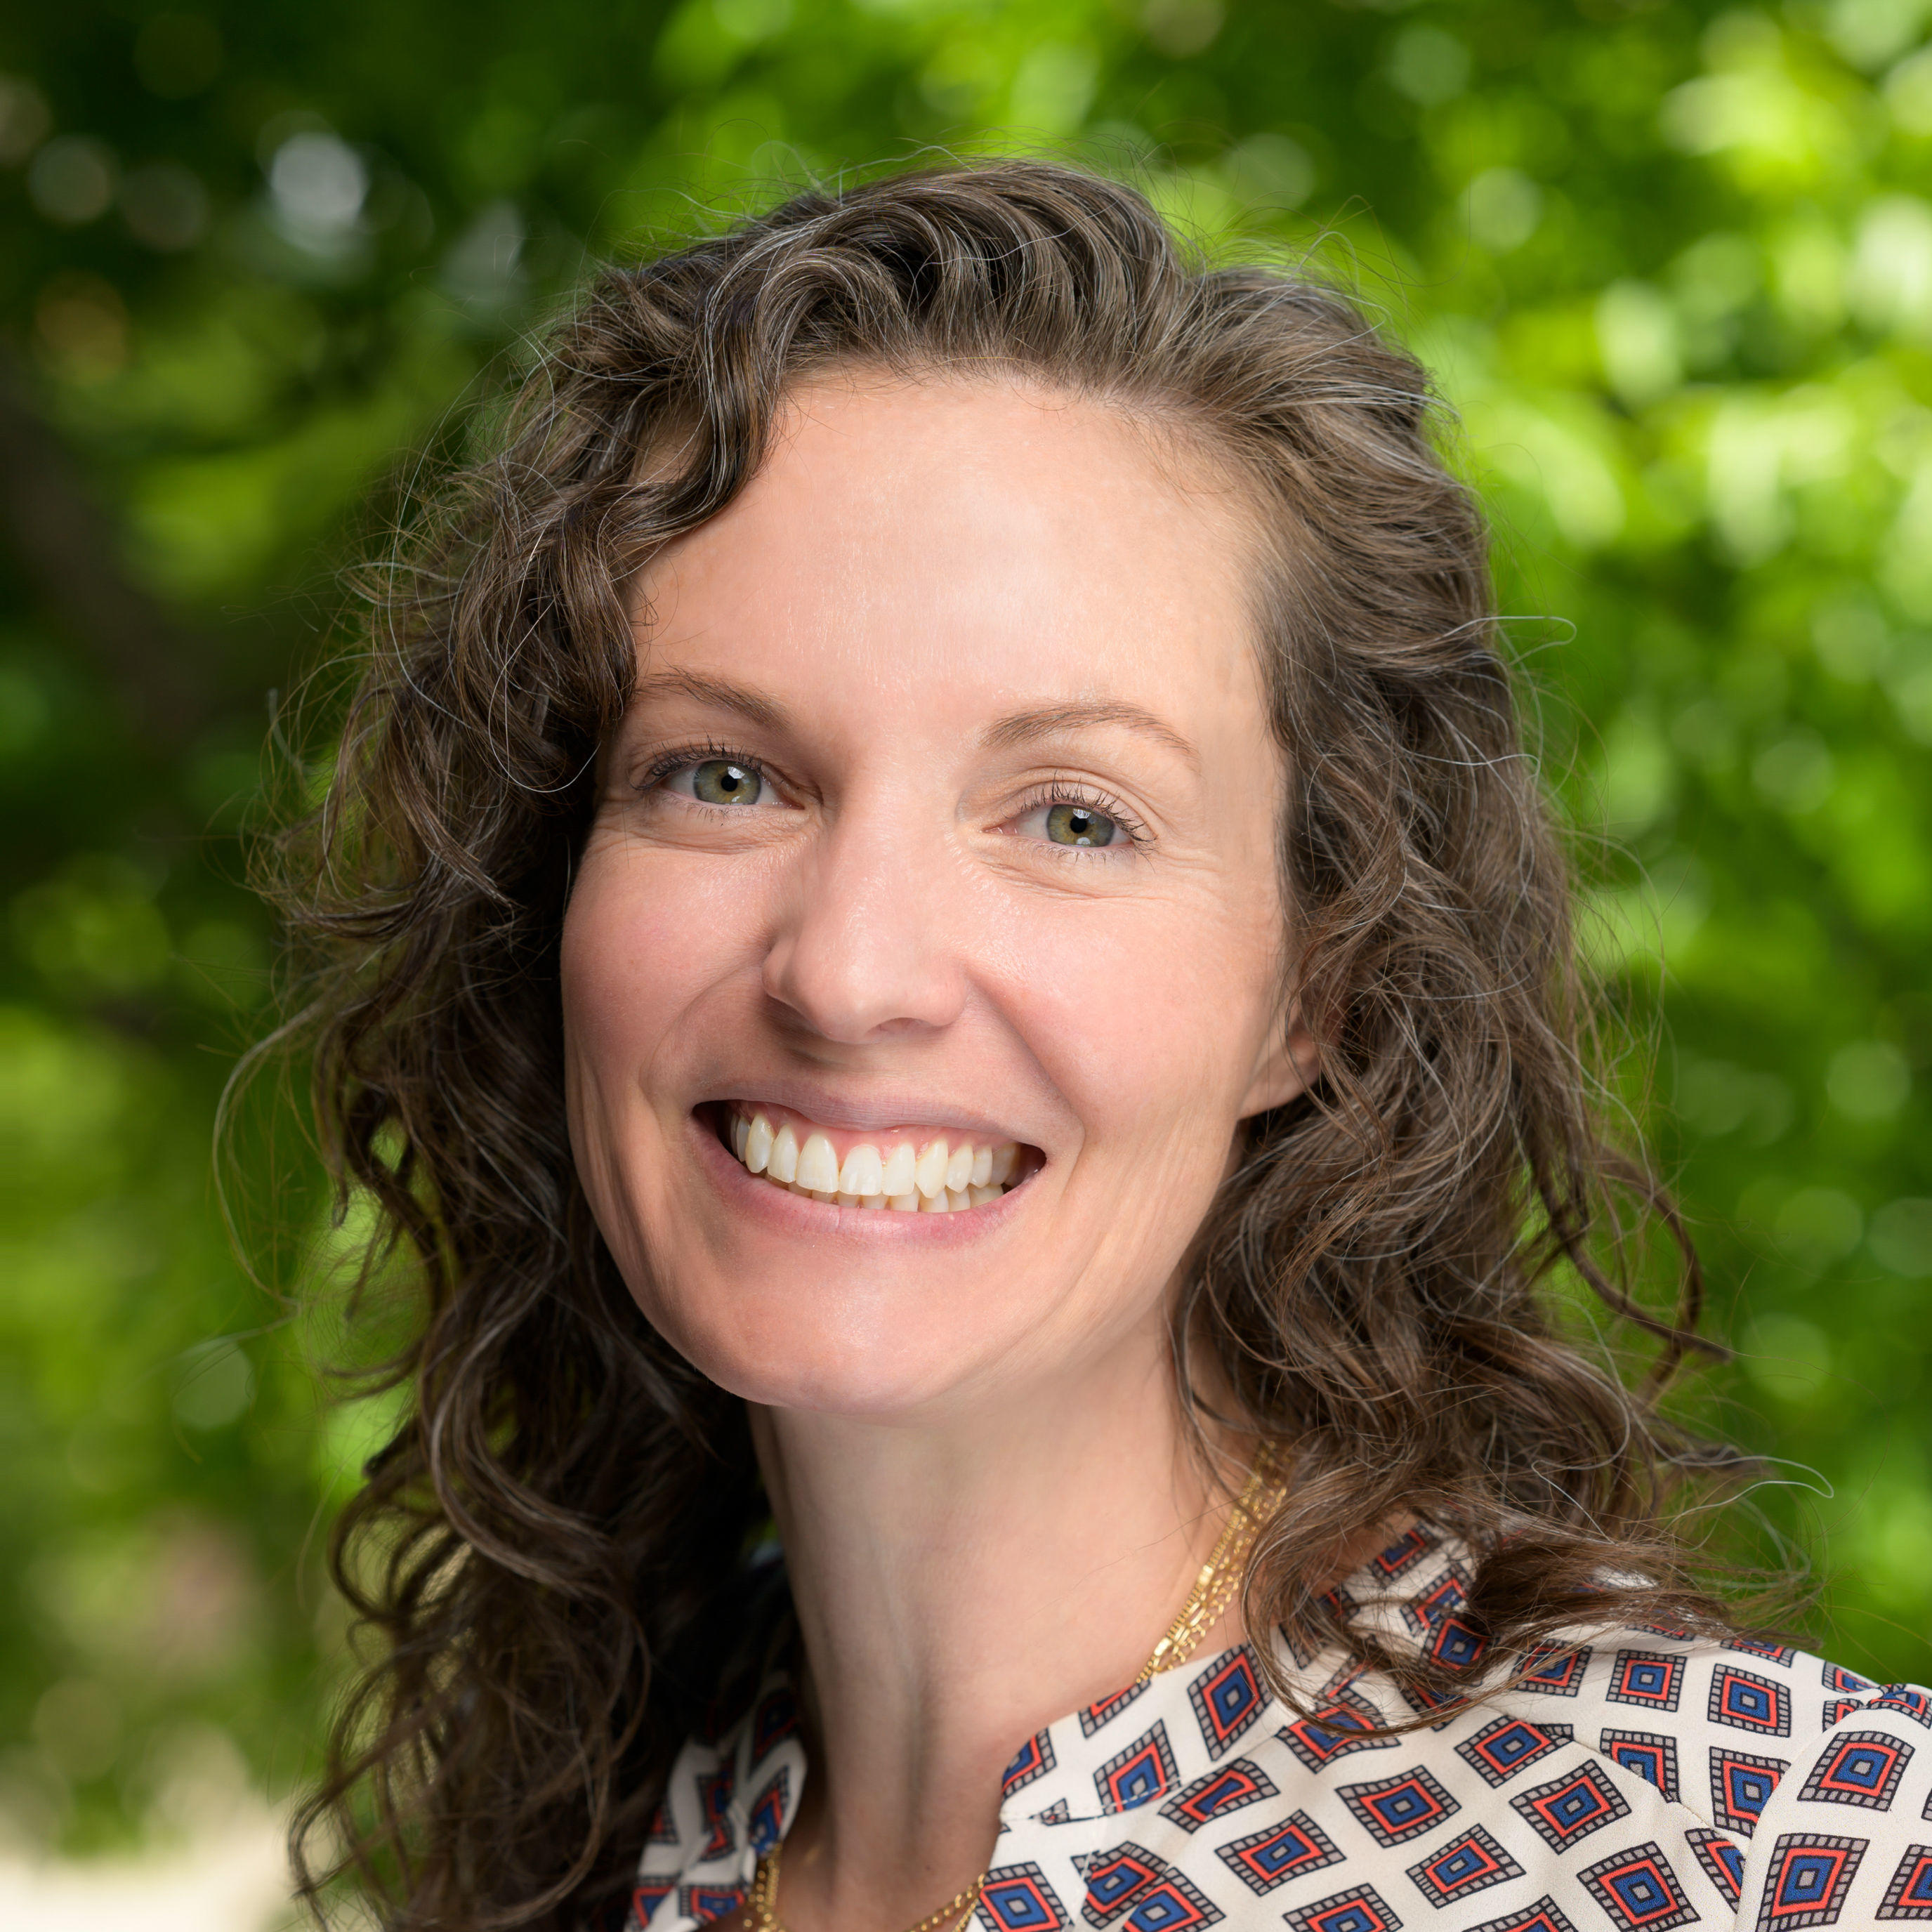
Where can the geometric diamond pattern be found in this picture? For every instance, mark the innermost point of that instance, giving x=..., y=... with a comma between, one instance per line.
x=1656, y=1803
x=1018, y=1898
x=1502, y=1749
x=1639, y=1891
x=1393, y=1809
x=1911, y=1700
x=1227, y=1699
x=1034, y=1759
x=1571, y=1805
x=1724, y=1862
x=1233, y=1785
x=1097, y=1717
x=1910, y=1893
x=1545, y=1915
x=1741, y=1787
x=1809, y=1875
x=1360, y=1909
x=1336, y=1728
x=1749, y=1702
x=1750, y=1646
x=1139, y=1774
x=1117, y=1876
x=1276, y=1853
x=1470, y=1862
x=1646, y=1677
x=1652, y=1756
x=1556, y=1673
x=1861, y=1768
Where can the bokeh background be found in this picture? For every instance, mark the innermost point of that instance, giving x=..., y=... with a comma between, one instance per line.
x=1673, y=263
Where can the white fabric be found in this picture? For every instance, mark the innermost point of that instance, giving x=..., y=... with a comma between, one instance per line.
x=1646, y=1782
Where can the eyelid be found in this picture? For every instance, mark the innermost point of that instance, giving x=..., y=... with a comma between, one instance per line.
x=681, y=757
x=1056, y=789
x=1066, y=791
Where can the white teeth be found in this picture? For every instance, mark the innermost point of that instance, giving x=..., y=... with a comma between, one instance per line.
x=944, y=1177
x=929, y=1172
x=818, y=1165
x=897, y=1177
x=863, y=1173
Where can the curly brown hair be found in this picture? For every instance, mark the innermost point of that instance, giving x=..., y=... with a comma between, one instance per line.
x=551, y=1549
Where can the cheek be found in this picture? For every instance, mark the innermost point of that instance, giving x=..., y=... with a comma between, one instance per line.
x=641, y=941
x=645, y=940
x=1151, y=1025
x=606, y=986
x=632, y=961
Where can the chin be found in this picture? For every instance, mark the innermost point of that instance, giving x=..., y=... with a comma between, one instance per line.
x=825, y=1352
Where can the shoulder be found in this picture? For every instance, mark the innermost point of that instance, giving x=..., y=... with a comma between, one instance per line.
x=1681, y=1712
x=1653, y=1772
x=1822, y=1777
x=1639, y=1777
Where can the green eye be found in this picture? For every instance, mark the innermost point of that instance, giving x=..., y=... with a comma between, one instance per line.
x=725, y=781
x=1079, y=825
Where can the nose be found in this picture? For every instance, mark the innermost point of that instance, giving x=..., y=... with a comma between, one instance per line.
x=870, y=948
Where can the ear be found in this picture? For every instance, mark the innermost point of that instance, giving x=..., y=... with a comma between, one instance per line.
x=1288, y=1063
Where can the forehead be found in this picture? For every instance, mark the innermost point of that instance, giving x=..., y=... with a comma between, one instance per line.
x=997, y=533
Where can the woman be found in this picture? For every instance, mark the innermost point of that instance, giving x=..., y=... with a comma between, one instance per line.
x=935, y=936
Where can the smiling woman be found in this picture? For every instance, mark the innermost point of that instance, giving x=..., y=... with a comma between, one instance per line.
x=933, y=927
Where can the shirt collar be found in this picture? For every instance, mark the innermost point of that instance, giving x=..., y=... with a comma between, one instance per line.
x=729, y=1800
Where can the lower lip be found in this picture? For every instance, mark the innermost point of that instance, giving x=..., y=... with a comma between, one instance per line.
x=798, y=1214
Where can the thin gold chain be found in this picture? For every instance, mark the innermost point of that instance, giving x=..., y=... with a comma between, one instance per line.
x=1220, y=1579
x=761, y=1903
x=1214, y=1589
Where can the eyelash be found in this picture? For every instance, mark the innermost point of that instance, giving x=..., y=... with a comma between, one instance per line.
x=1056, y=790
x=684, y=756
x=1060, y=790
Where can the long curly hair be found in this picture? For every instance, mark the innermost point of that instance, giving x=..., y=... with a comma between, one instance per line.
x=551, y=1552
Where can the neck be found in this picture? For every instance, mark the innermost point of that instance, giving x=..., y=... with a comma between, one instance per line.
x=960, y=1582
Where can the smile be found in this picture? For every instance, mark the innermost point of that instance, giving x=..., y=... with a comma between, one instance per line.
x=908, y=1170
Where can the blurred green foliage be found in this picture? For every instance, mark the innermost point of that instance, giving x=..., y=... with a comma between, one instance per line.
x=1674, y=266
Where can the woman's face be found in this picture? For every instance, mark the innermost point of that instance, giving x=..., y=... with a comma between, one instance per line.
x=945, y=811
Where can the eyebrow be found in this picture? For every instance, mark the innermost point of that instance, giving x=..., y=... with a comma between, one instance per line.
x=749, y=704
x=1050, y=720
x=1019, y=728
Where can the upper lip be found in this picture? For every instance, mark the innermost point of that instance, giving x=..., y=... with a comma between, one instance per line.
x=873, y=1113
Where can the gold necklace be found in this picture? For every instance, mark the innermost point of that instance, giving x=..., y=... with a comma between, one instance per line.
x=1214, y=1589
x=761, y=1902
x=1221, y=1577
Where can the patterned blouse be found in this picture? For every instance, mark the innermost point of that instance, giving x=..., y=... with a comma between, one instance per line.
x=1642, y=1782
